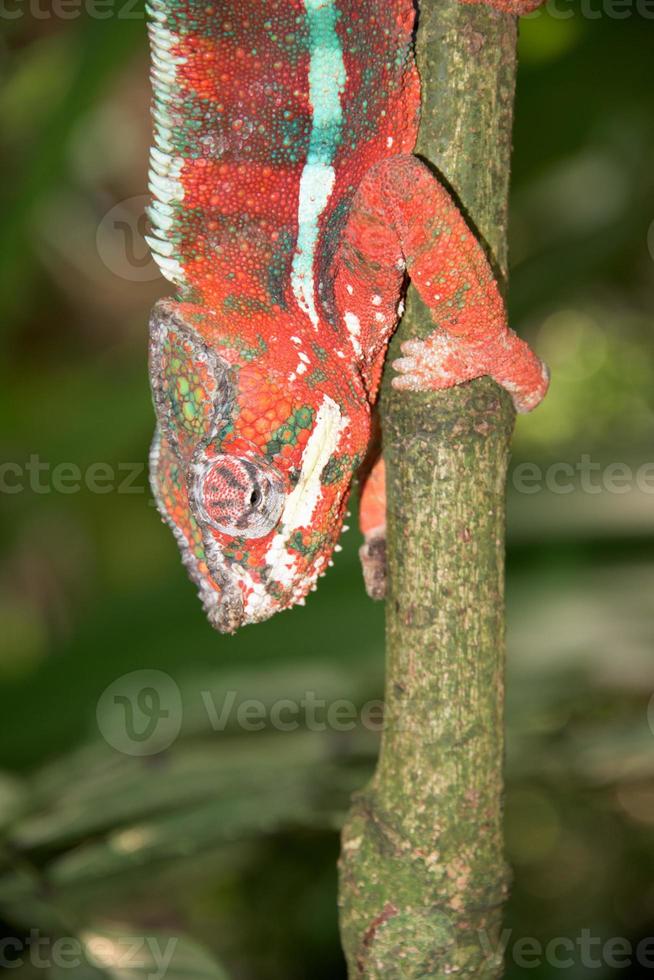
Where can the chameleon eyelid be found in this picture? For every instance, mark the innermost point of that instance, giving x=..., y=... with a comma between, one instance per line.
x=236, y=496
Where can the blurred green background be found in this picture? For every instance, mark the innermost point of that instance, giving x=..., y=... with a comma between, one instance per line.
x=222, y=837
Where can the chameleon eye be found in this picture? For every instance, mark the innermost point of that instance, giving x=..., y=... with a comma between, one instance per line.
x=238, y=496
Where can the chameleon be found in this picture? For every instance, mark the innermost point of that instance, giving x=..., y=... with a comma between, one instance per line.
x=289, y=211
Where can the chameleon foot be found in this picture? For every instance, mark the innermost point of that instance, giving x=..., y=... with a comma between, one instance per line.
x=373, y=562
x=432, y=364
x=442, y=361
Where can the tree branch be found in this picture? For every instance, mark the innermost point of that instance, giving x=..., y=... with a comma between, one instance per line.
x=423, y=878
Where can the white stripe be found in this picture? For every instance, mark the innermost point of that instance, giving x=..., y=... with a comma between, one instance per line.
x=316, y=185
x=353, y=325
x=302, y=501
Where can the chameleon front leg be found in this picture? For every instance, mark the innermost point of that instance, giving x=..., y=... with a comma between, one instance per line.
x=403, y=219
x=403, y=216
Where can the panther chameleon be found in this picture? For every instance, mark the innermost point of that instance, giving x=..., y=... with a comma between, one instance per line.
x=289, y=211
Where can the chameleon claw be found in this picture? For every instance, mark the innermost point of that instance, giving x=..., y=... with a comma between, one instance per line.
x=405, y=365
x=405, y=382
x=411, y=347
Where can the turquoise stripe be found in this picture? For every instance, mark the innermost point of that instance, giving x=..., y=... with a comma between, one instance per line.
x=327, y=78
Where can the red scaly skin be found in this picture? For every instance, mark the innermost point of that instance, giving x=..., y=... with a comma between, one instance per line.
x=289, y=212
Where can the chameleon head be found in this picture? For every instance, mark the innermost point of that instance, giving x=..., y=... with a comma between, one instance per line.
x=251, y=464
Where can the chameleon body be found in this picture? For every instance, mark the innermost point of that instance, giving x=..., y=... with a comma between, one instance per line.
x=289, y=213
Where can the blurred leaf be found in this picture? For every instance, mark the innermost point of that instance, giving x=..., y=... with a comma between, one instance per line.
x=99, y=53
x=249, y=769
x=39, y=79
x=124, y=953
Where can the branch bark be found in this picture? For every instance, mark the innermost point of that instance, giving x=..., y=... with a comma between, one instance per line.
x=423, y=878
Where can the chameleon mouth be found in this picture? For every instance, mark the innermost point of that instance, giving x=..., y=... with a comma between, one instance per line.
x=226, y=615
x=219, y=592
x=222, y=599
x=220, y=596
x=230, y=609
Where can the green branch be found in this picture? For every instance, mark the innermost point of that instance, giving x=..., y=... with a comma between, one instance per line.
x=423, y=878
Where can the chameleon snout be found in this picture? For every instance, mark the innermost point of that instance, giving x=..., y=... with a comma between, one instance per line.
x=228, y=613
